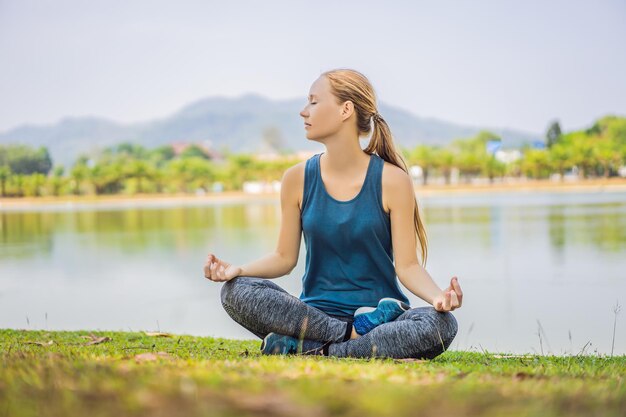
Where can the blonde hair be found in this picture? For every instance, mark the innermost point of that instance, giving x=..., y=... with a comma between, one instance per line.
x=351, y=85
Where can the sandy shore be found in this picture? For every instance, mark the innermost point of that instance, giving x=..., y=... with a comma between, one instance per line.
x=595, y=185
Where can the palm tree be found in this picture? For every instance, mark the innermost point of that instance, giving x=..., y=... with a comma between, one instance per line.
x=79, y=173
x=140, y=170
x=560, y=158
x=5, y=175
x=425, y=157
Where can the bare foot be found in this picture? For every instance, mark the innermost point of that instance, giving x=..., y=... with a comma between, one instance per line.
x=354, y=334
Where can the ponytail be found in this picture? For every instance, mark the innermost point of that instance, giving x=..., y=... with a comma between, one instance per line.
x=382, y=143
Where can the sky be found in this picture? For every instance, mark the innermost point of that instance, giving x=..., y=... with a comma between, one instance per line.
x=515, y=64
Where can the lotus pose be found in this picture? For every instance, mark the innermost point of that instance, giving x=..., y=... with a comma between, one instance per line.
x=353, y=206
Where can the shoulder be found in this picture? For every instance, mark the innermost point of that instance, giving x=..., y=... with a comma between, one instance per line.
x=292, y=184
x=397, y=186
x=294, y=174
x=394, y=177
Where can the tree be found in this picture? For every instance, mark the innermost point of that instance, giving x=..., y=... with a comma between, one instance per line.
x=425, y=157
x=560, y=158
x=5, y=174
x=57, y=180
x=23, y=159
x=444, y=160
x=34, y=183
x=492, y=167
x=107, y=176
x=535, y=163
x=194, y=151
x=161, y=155
x=130, y=149
x=191, y=173
x=79, y=173
x=471, y=154
x=140, y=170
x=553, y=134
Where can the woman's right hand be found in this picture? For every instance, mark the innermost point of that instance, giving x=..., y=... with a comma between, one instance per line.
x=218, y=270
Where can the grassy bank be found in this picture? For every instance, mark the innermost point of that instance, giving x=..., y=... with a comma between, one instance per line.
x=121, y=373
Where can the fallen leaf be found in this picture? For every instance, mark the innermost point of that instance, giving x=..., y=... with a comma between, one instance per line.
x=48, y=343
x=95, y=340
x=157, y=334
x=98, y=341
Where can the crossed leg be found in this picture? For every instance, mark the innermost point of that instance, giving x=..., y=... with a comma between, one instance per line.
x=262, y=306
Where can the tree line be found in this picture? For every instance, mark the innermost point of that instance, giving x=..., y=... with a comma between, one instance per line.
x=127, y=168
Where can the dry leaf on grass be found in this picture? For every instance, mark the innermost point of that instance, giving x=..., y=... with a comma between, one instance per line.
x=157, y=334
x=150, y=357
x=48, y=343
x=95, y=340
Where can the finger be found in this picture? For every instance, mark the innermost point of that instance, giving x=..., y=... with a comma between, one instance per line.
x=218, y=272
x=213, y=272
x=207, y=271
x=446, y=304
x=457, y=290
x=221, y=273
x=454, y=301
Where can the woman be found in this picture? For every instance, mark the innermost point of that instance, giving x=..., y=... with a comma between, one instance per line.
x=353, y=206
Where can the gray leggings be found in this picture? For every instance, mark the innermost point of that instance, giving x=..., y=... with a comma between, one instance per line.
x=261, y=306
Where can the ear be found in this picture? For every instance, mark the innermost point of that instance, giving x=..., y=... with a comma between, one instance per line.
x=347, y=108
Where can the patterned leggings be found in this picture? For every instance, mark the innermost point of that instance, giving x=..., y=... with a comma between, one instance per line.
x=261, y=306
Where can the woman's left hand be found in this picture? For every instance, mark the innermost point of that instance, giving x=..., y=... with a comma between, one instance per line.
x=452, y=297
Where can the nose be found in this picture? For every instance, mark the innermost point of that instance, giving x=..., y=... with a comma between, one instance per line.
x=303, y=113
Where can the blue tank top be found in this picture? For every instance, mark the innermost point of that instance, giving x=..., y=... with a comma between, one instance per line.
x=349, y=258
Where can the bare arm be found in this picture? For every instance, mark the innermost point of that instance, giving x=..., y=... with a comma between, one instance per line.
x=285, y=258
x=404, y=242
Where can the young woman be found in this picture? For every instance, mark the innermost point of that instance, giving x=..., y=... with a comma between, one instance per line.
x=353, y=205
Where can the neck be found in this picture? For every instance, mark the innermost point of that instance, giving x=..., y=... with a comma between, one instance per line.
x=344, y=156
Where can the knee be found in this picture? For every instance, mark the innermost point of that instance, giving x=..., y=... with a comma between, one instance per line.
x=229, y=290
x=446, y=326
x=232, y=287
x=449, y=323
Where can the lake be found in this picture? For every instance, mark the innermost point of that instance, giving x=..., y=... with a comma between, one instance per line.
x=540, y=271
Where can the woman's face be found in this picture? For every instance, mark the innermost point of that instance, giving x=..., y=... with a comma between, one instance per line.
x=322, y=115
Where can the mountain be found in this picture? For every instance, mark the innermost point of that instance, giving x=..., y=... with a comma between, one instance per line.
x=237, y=123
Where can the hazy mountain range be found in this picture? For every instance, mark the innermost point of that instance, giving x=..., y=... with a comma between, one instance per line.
x=237, y=123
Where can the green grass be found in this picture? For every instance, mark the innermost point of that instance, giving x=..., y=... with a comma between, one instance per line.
x=222, y=377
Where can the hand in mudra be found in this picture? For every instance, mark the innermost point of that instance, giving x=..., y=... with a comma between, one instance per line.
x=452, y=297
x=218, y=270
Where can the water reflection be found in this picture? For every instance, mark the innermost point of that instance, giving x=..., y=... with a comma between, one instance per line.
x=557, y=259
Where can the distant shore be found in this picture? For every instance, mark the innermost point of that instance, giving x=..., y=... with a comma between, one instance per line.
x=592, y=185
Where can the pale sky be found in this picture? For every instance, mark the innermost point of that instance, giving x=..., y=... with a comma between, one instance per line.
x=516, y=64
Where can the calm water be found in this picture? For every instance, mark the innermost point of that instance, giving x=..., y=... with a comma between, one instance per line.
x=554, y=261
